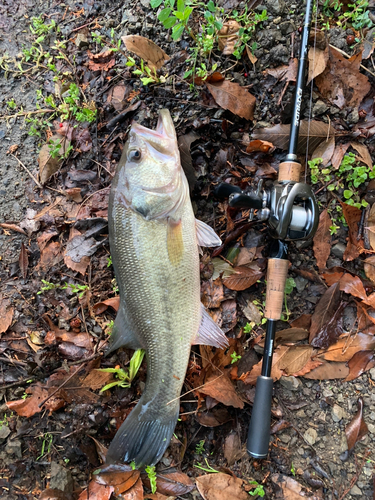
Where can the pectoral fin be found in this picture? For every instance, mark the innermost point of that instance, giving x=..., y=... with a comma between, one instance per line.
x=175, y=242
x=206, y=236
x=209, y=332
x=123, y=334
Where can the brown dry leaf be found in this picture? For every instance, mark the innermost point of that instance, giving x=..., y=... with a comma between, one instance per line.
x=363, y=152
x=243, y=277
x=97, y=379
x=318, y=59
x=333, y=275
x=341, y=82
x=304, y=322
x=212, y=293
x=325, y=151
x=345, y=348
x=53, y=494
x=48, y=165
x=100, y=307
x=353, y=286
x=232, y=448
x=117, y=95
x=257, y=145
x=330, y=331
x=78, y=339
x=6, y=314
x=328, y=371
x=291, y=489
x=222, y=389
x=221, y=486
x=279, y=134
x=23, y=261
x=230, y=95
x=287, y=73
x=214, y=417
x=147, y=50
x=120, y=477
x=290, y=335
x=103, y=61
x=29, y=406
x=184, y=143
x=357, y=428
x=296, y=358
x=50, y=256
x=276, y=372
x=338, y=155
x=250, y=55
x=324, y=310
x=12, y=227
x=371, y=226
x=134, y=493
x=309, y=366
x=369, y=266
x=358, y=364
x=353, y=216
x=228, y=37
x=96, y=491
x=171, y=483
x=322, y=240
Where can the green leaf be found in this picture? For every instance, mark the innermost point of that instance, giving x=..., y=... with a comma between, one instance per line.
x=146, y=80
x=155, y=3
x=170, y=22
x=180, y=5
x=179, y=15
x=137, y=72
x=177, y=31
x=164, y=14
x=347, y=194
x=187, y=13
x=211, y=6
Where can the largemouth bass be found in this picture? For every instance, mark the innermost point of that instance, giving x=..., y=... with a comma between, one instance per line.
x=154, y=239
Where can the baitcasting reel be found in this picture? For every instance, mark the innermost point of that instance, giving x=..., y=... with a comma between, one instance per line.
x=289, y=207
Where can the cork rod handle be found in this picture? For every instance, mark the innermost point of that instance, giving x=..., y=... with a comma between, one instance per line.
x=276, y=278
x=289, y=171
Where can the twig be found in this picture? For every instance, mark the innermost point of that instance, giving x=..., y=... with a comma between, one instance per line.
x=25, y=113
x=348, y=56
x=28, y=171
x=24, y=381
x=60, y=386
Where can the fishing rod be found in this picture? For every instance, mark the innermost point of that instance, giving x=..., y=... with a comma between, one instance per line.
x=291, y=212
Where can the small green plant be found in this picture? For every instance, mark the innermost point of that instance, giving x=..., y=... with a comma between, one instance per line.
x=125, y=377
x=290, y=284
x=177, y=19
x=330, y=5
x=110, y=326
x=199, y=449
x=249, y=20
x=78, y=289
x=151, y=473
x=47, y=286
x=258, y=491
x=314, y=169
x=293, y=470
x=54, y=148
x=357, y=15
x=147, y=74
x=47, y=440
x=4, y=420
x=208, y=467
x=12, y=104
x=235, y=357
x=247, y=328
x=109, y=261
x=38, y=26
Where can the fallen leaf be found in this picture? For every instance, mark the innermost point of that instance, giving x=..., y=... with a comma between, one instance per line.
x=328, y=371
x=184, y=143
x=338, y=154
x=369, y=267
x=228, y=37
x=23, y=261
x=250, y=55
x=30, y=406
x=276, y=372
x=322, y=240
x=212, y=293
x=324, y=310
x=363, y=152
x=333, y=275
x=134, y=493
x=53, y=494
x=233, y=448
x=6, y=314
x=295, y=358
x=243, y=277
x=353, y=286
x=358, y=363
x=278, y=135
x=287, y=73
x=147, y=50
x=221, y=486
x=341, y=82
x=50, y=256
x=291, y=489
x=48, y=165
x=345, y=348
x=231, y=96
x=120, y=477
x=258, y=145
x=171, y=483
x=95, y=491
x=221, y=268
x=101, y=62
x=117, y=96
x=304, y=322
x=357, y=428
x=318, y=59
x=309, y=366
x=371, y=225
x=100, y=307
x=290, y=335
x=12, y=227
x=214, y=417
x=78, y=339
x=325, y=151
x=74, y=194
x=331, y=330
x=220, y=387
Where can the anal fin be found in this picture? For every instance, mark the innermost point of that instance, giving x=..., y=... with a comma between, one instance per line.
x=123, y=334
x=209, y=332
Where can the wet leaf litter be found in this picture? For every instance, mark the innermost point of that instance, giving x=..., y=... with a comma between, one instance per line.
x=66, y=273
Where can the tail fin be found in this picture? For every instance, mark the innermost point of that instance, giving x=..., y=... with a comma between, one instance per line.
x=143, y=440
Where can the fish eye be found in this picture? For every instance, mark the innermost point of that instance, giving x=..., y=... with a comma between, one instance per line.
x=135, y=155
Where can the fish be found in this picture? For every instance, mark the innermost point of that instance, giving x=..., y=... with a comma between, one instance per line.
x=154, y=243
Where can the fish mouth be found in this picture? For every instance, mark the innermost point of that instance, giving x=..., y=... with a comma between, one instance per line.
x=164, y=129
